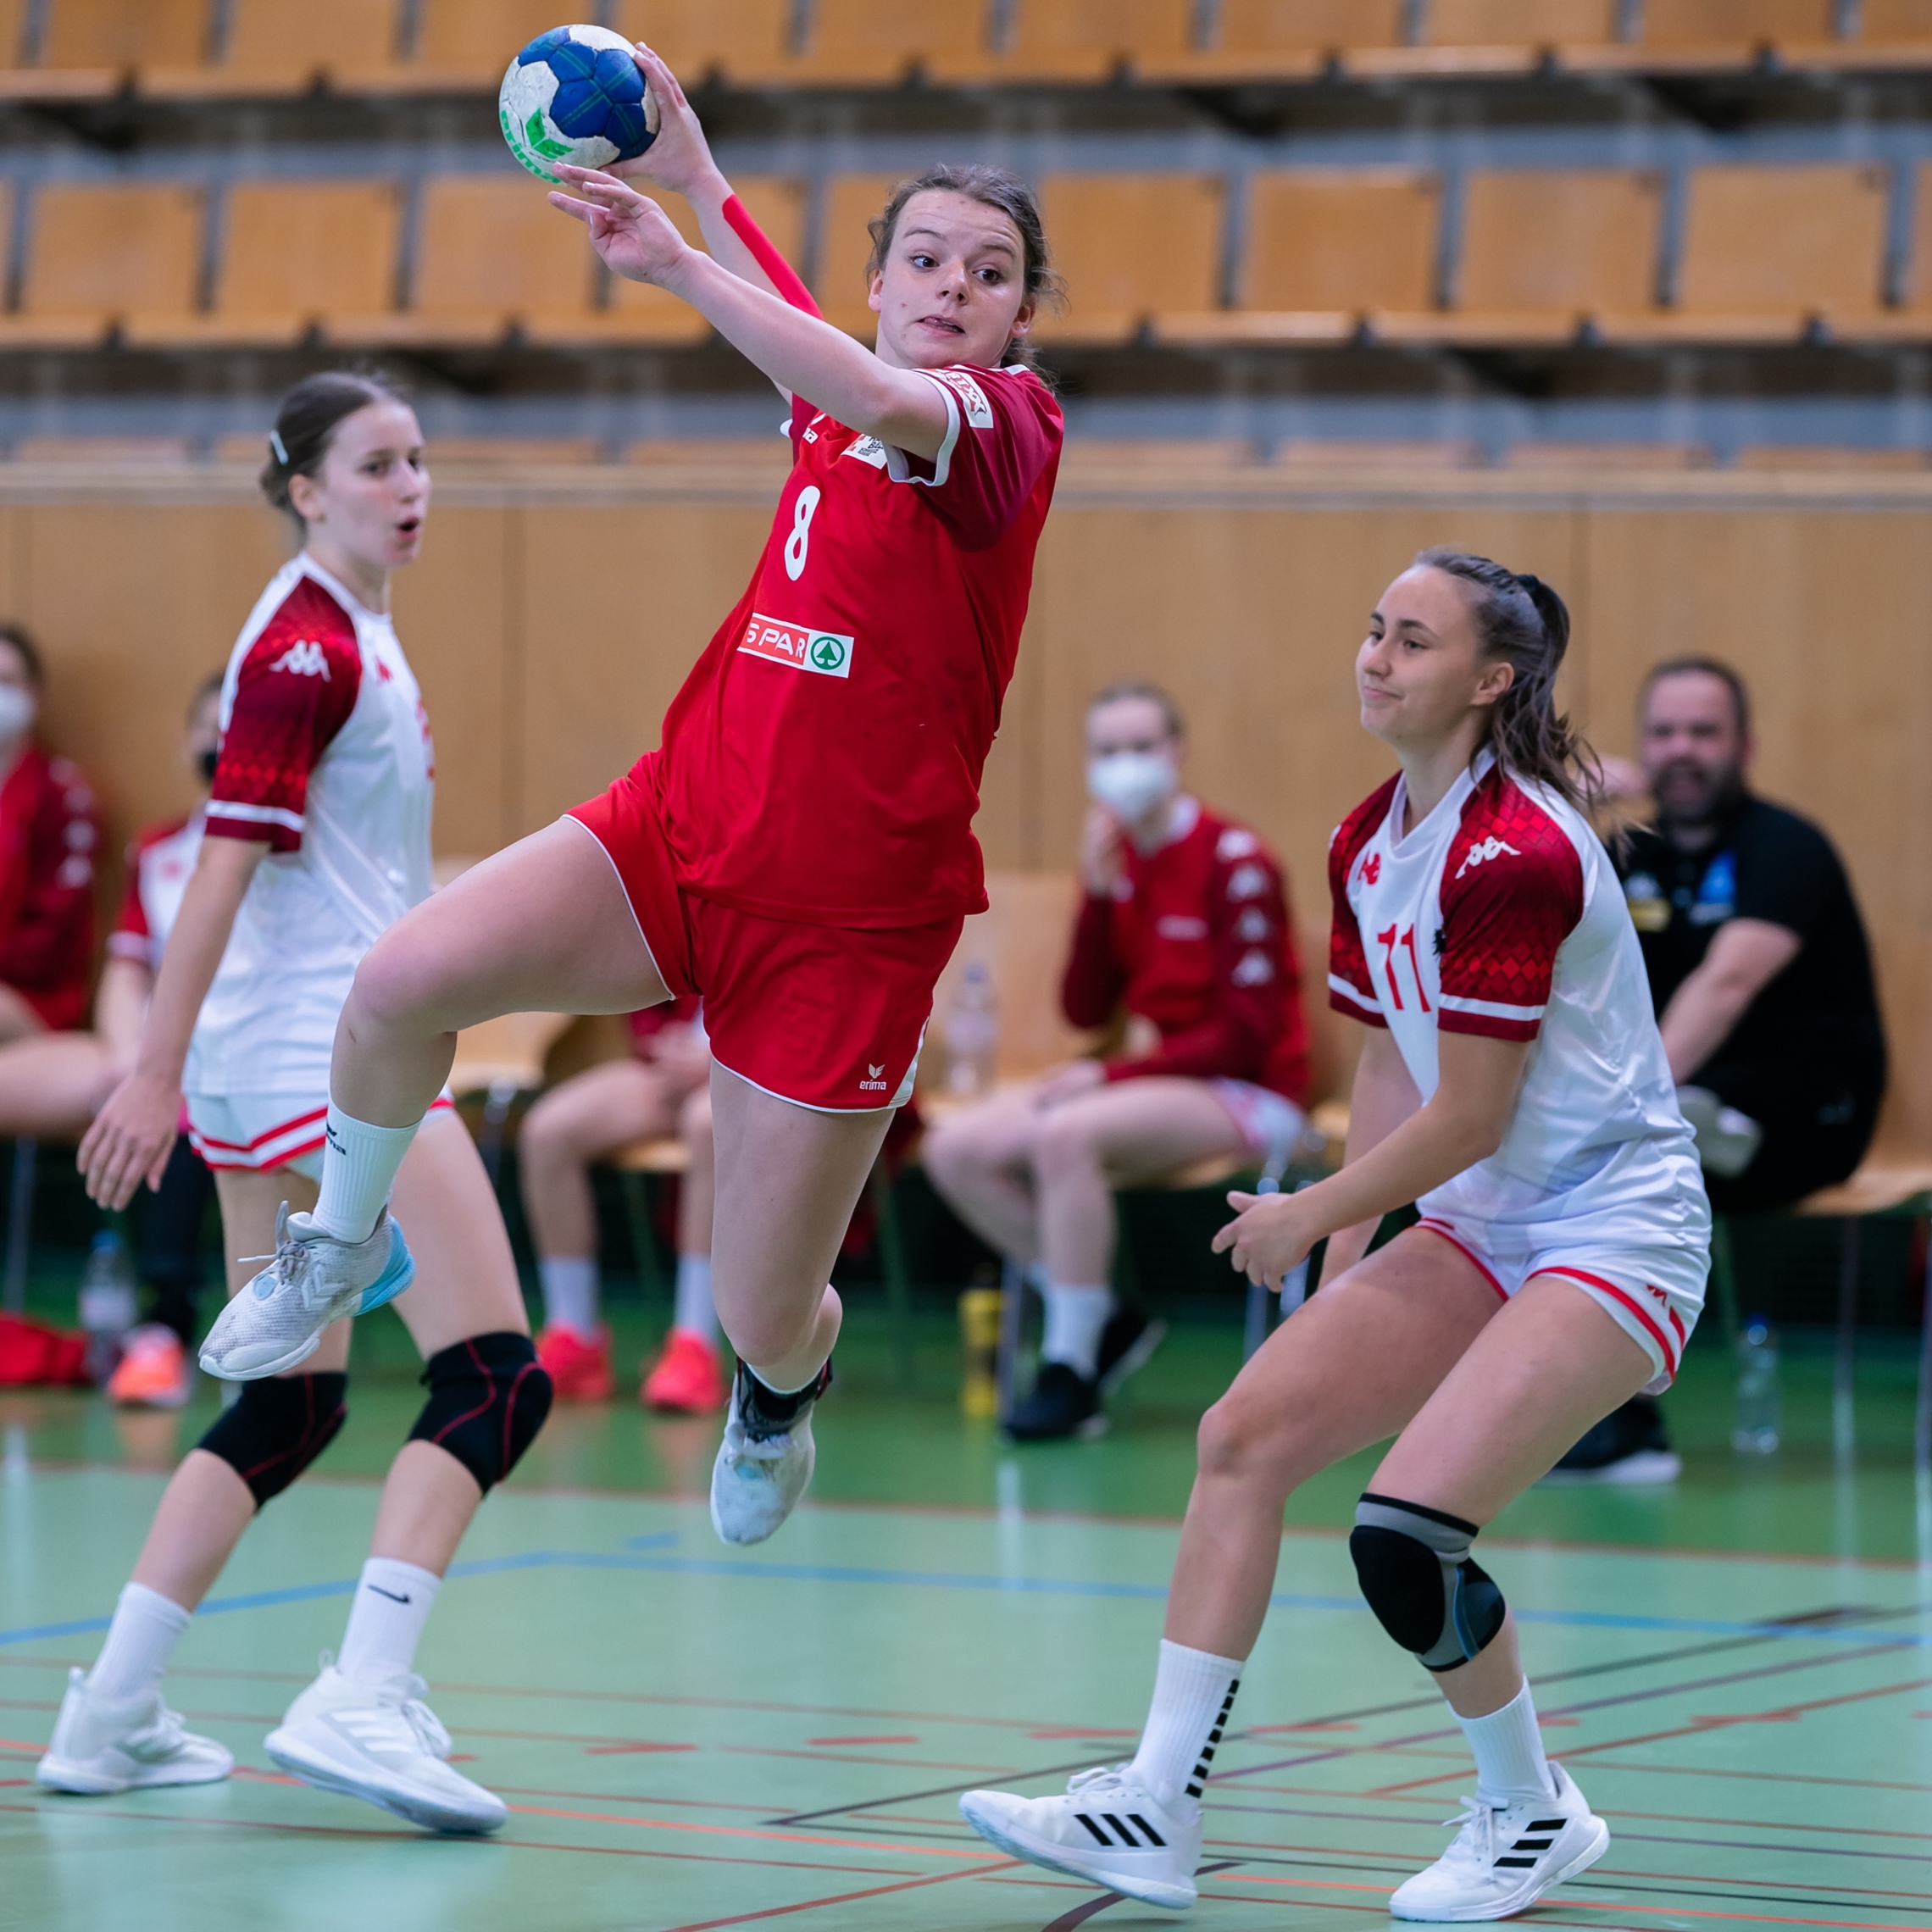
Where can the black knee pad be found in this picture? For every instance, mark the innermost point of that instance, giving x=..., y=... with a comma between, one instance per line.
x=1416, y=1572
x=488, y=1397
x=276, y=1428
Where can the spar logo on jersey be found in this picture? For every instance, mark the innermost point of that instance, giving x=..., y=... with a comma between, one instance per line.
x=979, y=410
x=305, y=660
x=1371, y=869
x=869, y=449
x=1491, y=847
x=799, y=645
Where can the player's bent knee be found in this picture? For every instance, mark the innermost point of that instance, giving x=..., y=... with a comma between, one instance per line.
x=1418, y=1575
x=488, y=1397
x=275, y=1428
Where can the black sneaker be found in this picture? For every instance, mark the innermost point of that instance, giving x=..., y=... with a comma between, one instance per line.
x=1064, y=1403
x=1125, y=1343
x=1629, y=1445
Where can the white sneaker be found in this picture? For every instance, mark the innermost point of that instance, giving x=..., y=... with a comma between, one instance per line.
x=101, y=1745
x=758, y=1479
x=381, y=1742
x=1107, y=1828
x=1506, y=1858
x=277, y=1320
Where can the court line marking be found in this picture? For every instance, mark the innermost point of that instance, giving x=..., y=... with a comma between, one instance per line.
x=851, y=1898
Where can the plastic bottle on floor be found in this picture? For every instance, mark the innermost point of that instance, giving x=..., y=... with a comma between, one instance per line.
x=108, y=1307
x=1760, y=1405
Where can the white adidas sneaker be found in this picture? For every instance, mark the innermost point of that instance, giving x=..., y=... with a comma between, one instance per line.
x=379, y=1741
x=1505, y=1858
x=312, y=1280
x=128, y=1744
x=1107, y=1827
x=758, y=1479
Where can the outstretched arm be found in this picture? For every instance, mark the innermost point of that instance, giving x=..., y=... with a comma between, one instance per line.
x=798, y=352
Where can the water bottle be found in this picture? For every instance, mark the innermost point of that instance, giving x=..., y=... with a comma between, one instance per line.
x=972, y=1033
x=107, y=1306
x=1759, y=1405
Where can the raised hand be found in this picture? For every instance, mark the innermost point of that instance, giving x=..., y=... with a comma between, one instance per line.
x=680, y=157
x=634, y=236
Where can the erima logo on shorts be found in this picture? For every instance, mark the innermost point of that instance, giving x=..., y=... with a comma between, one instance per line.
x=873, y=1084
x=799, y=645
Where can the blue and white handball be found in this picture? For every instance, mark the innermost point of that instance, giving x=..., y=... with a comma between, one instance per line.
x=576, y=95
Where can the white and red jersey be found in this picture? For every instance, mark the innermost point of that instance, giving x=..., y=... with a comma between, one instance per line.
x=326, y=754
x=822, y=762
x=1500, y=915
x=158, y=865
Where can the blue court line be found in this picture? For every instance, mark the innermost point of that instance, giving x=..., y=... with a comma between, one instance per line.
x=635, y=1558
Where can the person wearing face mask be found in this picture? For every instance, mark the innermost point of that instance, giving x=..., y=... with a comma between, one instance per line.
x=1184, y=931
x=52, y=1084
x=1761, y=977
x=49, y=828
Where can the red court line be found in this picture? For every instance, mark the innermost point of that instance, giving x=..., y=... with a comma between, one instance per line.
x=745, y=1831
x=1761, y=1777
x=845, y=1898
x=842, y=1757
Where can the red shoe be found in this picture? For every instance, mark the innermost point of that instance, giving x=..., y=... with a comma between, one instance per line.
x=687, y=1379
x=580, y=1371
x=154, y=1370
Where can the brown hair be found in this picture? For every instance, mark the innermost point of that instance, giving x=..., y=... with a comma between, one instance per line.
x=18, y=636
x=1521, y=619
x=994, y=188
x=1700, y=667
x=306, y=422
x=1152, y=693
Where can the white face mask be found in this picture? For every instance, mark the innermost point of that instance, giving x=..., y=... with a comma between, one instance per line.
x=19, y=708
x=1131, y=784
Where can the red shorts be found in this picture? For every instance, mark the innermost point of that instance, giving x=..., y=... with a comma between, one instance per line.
x=827, y=1017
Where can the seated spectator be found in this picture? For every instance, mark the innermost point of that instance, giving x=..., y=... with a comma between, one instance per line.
x=1761, y=979
x=47, y=834
x=51, y=1083
x=665, y=1090
x=1184, y=931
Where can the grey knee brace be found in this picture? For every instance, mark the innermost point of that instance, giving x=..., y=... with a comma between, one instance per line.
x=1420, y=1580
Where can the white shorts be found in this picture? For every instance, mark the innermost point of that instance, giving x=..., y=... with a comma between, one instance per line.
x=1270, y=1122
x=260, y=1132
x=1654, y=1294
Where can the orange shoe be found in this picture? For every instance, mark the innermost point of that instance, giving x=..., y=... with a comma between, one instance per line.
x=580, y=1371
x=154, y=1371
x=687, y=1379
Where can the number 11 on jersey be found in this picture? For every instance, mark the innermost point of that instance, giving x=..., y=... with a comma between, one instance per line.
x=1389, y=941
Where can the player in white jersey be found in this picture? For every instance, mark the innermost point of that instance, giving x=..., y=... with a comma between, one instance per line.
x=316, y=838
x=1513, y=1084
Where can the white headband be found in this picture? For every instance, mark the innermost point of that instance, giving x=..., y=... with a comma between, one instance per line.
x=276, y=444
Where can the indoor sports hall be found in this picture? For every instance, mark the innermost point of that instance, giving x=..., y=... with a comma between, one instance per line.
x=1633, y=296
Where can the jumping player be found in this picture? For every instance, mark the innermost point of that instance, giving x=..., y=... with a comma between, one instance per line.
x=1513, y=1084
x=800, y=851
x=317, y=837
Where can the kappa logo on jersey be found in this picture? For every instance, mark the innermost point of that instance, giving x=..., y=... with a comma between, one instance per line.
x=304, y=659
x=1371, y=869
x=799, y=645
x=869, y=449
x=1490, y=847
x=979, y=410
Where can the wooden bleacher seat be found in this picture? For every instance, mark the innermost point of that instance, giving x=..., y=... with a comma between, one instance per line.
x=292, y=251
x=746, y=41
x=1344, y=457
x=871, y=42
x=1902, y=25
x=1192, y=458
x=1911, y=321
x=464, y=45
x=1323, y=247
x=273, y=48
x=114, y=36
x=1544, y=251
x=1492, y=37
x=1598, y=457
x=1768, y=250
x=755, y=460
x=509, y=1051
x=511, y=453
x=137, y=452
x=1812, y=457
x=1080, y=41
x=1131, y=246
x=639, y=312
x=1711, y=35
x=1282, y=40
x=838, y=278
x=101, y=255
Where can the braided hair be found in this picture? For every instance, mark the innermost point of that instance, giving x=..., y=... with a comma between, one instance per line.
x=1522, y=620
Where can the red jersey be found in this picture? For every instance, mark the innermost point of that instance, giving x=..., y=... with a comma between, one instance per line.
x=159, y=864
x=822, y=762
x=1197, y=938
x=48, y=830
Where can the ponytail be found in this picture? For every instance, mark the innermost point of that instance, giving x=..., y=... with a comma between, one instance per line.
x=1521, y=620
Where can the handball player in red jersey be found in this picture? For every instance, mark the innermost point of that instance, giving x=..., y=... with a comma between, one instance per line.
x=799, y=851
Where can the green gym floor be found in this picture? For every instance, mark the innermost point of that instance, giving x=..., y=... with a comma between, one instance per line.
x=1738, y=1669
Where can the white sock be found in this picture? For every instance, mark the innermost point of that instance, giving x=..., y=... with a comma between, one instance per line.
x=1508, y=1745
x=392, y=1603
x=1194, y=1692
x=141, y=1638
x=1075, y=1319
x=569, y=1292
x=358, y=1169
x=696, y=1312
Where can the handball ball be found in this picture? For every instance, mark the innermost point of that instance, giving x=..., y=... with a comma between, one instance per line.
x=575, y=94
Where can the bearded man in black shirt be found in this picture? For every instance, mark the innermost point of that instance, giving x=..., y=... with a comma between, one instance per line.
x=1761, y=979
